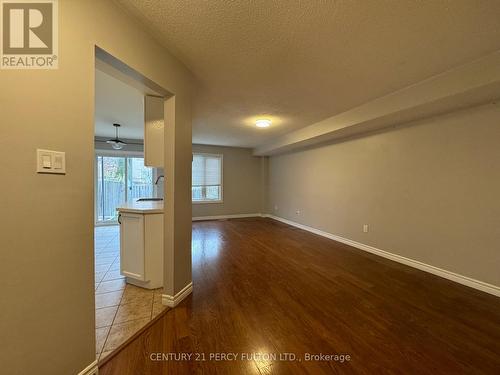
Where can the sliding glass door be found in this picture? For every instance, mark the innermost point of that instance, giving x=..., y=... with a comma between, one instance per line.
x=119, y=179
x=139, y=179
x=110, y=189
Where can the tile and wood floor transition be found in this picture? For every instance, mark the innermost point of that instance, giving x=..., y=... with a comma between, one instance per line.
x=121, y=309
x=263, y=286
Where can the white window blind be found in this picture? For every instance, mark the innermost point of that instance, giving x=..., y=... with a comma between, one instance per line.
x=207, y=178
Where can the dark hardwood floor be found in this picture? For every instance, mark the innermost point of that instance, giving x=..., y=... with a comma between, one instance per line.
x=261, y=286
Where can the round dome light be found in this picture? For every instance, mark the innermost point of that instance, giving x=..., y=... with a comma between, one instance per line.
x=263, y=123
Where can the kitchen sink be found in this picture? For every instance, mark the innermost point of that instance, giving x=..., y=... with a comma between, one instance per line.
x=149, y=199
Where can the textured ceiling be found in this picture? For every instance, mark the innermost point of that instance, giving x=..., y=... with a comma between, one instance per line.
x=298, y=62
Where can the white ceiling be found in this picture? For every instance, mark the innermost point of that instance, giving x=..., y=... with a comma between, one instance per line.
x=118, y=102
x=300, y=62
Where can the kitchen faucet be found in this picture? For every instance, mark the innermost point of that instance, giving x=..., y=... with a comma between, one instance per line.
x=158, y=179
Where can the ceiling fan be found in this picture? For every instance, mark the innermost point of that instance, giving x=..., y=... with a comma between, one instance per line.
x=116, y=142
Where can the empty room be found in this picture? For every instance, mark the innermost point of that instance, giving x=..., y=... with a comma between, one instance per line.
x=250, y=187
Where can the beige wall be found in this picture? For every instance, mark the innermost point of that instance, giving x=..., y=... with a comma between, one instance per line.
x=242, y=186
x=47, y=314
x=429, y=191
x=177, y=212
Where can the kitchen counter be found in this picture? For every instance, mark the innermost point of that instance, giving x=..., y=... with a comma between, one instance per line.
x=141, y=243
x=144, y=207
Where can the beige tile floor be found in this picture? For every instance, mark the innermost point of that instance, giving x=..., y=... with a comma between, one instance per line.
x=121, y=309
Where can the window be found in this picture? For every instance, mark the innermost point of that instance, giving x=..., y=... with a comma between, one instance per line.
x=207, y=178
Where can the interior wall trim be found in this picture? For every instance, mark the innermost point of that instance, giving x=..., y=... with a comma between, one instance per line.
x=91, y=369
x=461, y=279
x=172, y=301
x=220, y=217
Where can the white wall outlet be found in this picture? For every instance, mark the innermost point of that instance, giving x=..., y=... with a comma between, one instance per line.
x=275, y=207
x=50, y=161
x=366, y=228
x=297, y=212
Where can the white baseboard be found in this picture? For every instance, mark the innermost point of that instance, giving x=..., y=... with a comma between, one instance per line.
x=172, y=301
x=219, y=217
x=464, y=280
x=90, y=369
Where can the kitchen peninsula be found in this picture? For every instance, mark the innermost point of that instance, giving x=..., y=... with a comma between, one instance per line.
x=141, y=243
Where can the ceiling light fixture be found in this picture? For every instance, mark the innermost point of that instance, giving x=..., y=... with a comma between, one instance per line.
x=263, y=123
x=116, y=143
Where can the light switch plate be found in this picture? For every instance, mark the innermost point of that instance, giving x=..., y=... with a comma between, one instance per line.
x=46, y=161
x=49, y=161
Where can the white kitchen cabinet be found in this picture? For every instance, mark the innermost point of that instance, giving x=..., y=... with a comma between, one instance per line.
x=141, y=248
x=153, y=131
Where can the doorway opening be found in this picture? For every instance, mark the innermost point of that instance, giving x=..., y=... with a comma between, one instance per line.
x=121, y=176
